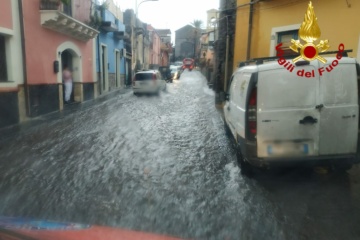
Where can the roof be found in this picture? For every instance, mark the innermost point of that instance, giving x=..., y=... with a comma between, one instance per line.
x=163, y=32
x=186, y=26
x=212, y=10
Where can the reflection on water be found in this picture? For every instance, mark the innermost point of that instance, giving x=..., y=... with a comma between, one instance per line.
x=163, y=165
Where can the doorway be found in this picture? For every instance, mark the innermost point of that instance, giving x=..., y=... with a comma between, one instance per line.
x=67, y=62
x=104, y=69
x=117, y=68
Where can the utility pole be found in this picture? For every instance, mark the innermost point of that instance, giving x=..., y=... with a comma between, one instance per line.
x=226, y=54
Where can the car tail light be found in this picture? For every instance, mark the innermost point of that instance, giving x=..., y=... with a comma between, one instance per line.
x=154, y=78
x=252, y=115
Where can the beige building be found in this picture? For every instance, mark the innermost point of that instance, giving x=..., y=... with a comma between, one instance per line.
x=278, y=21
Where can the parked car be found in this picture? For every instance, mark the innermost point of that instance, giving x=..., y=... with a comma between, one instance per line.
x=307, y=115
x=148, y=82
x=175, y=72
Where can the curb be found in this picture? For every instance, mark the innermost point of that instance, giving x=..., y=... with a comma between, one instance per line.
x=9, y=131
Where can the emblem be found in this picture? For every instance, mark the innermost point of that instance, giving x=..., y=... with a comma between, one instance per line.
x=309, y=32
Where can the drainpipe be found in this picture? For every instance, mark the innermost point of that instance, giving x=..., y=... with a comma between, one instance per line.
x=250, y=28
x=98, y=65
x=23, y=49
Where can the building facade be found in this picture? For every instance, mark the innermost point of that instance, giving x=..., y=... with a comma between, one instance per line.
x=111, y=57
x=12, y=90
x=224, y=40
x=155, y=44
x=129, y=44
x=57, y=36
x=271, y=23
x=165, y=46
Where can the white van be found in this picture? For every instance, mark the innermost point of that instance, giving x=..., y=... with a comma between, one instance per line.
x=278, y=116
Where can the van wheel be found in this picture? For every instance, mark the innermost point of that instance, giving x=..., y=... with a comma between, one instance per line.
x=227, y=129
x=245, y=168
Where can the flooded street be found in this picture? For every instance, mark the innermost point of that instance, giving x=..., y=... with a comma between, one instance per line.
x=164, y=165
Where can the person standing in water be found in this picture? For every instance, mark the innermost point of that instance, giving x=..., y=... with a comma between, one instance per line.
x=67, y=78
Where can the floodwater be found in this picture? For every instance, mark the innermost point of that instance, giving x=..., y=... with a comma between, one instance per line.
x=164, y=165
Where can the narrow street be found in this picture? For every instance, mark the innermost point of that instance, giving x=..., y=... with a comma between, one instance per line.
x=164, y=165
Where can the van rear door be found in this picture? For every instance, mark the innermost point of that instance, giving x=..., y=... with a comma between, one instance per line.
x=340, y=111
x=287, y=120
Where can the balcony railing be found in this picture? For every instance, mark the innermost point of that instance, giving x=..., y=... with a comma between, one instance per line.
x=55, y=5
x=49, y=4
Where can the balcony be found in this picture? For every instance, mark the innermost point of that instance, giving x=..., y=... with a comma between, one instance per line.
x=62, y=23
x=109, y=26
x=121, y=35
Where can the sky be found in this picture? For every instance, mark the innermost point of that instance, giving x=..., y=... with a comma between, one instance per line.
x=172, y=14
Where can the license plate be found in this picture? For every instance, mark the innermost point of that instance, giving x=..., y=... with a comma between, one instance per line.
x=288, y=149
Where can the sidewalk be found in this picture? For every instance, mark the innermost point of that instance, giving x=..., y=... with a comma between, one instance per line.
x=9, y=131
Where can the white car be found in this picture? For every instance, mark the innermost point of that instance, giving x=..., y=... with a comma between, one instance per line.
x=148, y=82
x=301, y=113
x=175, y=72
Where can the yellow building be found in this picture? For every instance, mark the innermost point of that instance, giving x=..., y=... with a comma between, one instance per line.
x=279, y=20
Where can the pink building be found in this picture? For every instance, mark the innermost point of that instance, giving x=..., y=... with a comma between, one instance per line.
x=56, y=36
x=12, y=96
x=155, y=52
x=166, y=50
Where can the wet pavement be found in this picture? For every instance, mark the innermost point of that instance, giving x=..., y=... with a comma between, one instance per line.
x=164, y=165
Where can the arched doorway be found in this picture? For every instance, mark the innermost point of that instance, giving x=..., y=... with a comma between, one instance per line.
x=69, y=56
x=67, y=62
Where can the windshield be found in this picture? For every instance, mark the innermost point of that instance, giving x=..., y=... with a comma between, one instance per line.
x=179, y=119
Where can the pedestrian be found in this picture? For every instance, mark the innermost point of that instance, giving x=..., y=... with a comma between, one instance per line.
x=68, y=83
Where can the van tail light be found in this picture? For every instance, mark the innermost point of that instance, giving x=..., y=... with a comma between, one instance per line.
x=252, y=115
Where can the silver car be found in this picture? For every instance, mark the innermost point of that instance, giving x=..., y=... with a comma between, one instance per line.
x=148, y=82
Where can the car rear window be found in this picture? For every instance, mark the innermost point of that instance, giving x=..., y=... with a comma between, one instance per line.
x=143, y=76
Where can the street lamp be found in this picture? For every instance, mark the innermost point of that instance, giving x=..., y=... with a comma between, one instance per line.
x=136, y=27
x=137, y=5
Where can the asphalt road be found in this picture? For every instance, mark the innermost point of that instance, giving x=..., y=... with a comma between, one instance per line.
x=164, y=165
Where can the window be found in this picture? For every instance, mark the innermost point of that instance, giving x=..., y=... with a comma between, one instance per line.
x=3, y=66
x=285, y=39
x=143, y=76
x=67, y=9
